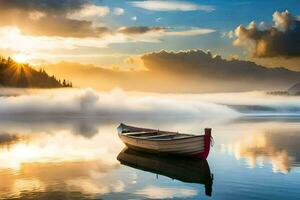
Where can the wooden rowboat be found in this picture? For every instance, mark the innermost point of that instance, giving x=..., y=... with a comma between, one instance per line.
x=165, y=142
x=185, y=169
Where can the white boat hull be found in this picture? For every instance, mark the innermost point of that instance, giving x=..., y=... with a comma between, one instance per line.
x=188, y=145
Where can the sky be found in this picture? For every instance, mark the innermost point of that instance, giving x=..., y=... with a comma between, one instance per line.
x=90, y=31
x=120, y=35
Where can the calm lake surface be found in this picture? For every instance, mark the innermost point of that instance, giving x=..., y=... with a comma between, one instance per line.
x=82, y=158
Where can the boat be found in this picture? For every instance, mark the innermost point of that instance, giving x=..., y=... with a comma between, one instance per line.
x=165, y=142
x=185, y=169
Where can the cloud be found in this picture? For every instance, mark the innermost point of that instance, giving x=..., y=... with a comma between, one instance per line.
x=171, y=6
x=191, y=32
x=118, y=11
x=53, y=18
x=140, y=29
x=280, y=39
x=90, y=11
x=65, y=28
x=191, y=70
x=8, y=139
x=44, y=5
x=156, y=31
x=11, y=38
x=134, y=18
x=216, y=72
x=291, y=63
x=76, y=21
x=6, y=52
x=42, y=29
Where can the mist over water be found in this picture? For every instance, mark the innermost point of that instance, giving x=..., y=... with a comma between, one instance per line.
x=119, y=103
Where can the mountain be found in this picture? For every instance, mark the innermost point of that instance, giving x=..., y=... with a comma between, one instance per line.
x=295, y=89
x=13, y=74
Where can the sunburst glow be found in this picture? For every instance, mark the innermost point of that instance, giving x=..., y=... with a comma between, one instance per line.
x=21, y=58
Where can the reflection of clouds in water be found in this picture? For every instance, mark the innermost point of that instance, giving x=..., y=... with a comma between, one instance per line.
x=134, y=177
x=256, y=149
x=66, y=176
x=155, y=192
x=87, y=127
x=61, y=146
x=57, y=160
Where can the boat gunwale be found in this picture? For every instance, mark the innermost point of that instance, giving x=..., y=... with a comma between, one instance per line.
x=157, y=139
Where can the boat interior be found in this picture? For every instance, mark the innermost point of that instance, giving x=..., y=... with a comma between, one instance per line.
x=157, y=135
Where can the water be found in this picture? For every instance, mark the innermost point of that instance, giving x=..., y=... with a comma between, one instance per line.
x=76, y=158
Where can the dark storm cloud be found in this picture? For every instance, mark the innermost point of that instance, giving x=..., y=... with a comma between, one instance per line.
x=140, y=29
x=280, y=39
x=48, y=18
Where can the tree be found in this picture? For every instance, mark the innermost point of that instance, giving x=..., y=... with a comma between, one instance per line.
x=13, y=74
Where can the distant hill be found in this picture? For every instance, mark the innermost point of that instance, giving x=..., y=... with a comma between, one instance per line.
x=216, y=76
x=13, y=74
x=295, y=89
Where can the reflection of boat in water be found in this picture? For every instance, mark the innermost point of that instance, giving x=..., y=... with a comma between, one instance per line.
x=185, y=169
x=165, y=142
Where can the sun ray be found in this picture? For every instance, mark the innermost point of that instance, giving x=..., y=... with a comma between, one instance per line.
x=21, y=58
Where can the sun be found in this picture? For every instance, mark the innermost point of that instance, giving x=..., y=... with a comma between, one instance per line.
x=21, y=58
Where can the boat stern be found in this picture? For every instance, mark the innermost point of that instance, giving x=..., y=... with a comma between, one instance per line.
x=207, y=143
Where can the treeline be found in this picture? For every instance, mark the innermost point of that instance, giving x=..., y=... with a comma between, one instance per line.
x=13, y=74
x=279, y=93
x=283, y=93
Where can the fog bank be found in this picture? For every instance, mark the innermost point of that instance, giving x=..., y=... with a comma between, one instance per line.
x=121, y=104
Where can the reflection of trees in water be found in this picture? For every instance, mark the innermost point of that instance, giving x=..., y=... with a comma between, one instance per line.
x=279, y=149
